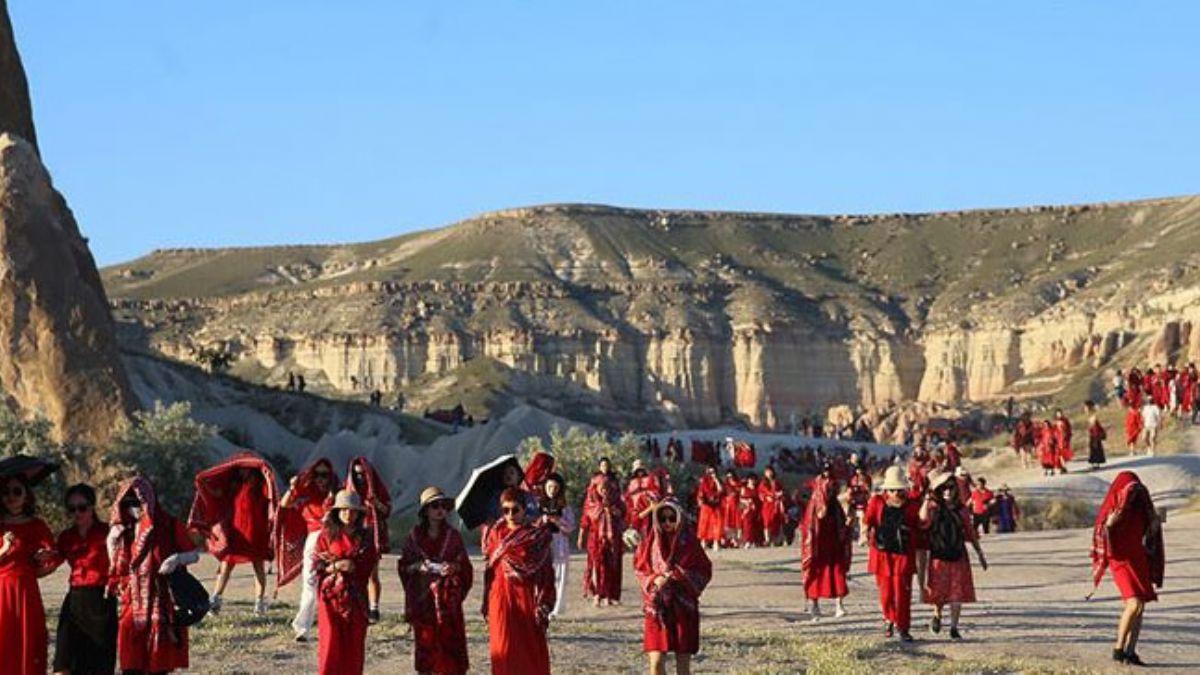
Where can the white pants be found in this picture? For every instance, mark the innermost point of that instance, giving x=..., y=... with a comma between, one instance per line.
x=560, y=586
x=308, y=589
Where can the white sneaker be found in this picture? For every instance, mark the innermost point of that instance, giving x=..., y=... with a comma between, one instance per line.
x=839, y=612
x=214, y=604
x=260, y=607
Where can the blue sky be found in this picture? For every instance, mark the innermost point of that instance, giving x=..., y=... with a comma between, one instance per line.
x=233, y=123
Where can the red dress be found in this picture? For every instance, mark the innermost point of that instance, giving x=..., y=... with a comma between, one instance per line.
x=642, y=492
x=433, y=603
x=893, y=570
x=519, y=595
x=602, y=526
x=342, y=602
x=774, y=513
x=1133, y=425
x=377, y=500
x=731, y=513
x=711, y=527
x=751, y=512
x=235, y=514
x=23, y=635
x=1135, y=557
x=950, y=580
x=825, y=552
x=672, y=613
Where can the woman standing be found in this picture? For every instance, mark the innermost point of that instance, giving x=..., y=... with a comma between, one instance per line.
x=731, y=513
x=890, y=521
x=1007, y=511
x=774, y=507
x=710, y=528
x=642, y=492
x=750, y=510
x=343, y=562
x=825, y=545
x=436, y=573
x=1096, y=437
x=672, y=571
x=948, y=580
x=26, y=552
x=600, y=534
x=364, y=481
x=1133, y=427
x=1127, y=539
x=302, y=511
x=145, y=545
x=560, y=517
x=518, y=591
x=86, y=639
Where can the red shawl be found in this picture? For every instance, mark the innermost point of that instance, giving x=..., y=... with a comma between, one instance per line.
x=212, y=509
x=709, y=493
x=677, y=556
x=541, y=465
x=1126, y=490
x=605, y=524
x=428, y=598
x=523, y=555
x=345, y=592
x=824, y=495
x=291, y=530
x=376, y=492
x=641, y=493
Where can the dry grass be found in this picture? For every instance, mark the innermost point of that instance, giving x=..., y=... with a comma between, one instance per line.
x=1056, y=514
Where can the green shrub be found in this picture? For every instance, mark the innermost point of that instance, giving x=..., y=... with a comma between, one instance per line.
x=1056, y=514
x=168, y=447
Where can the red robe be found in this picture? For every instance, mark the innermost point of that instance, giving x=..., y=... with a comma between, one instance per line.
x=642, y=492
x=893, y=571
x=433, y=603
x=731, y=513
x=825, y=551
x=672, y=613
x=146, y=637
x=750, y=509
x=1047, y=448
x=1062, y=440
x=293, y=523
x=710, y=527
x=1133, y=425
x=342, y=601
x=519, y=595
x=237, y=517
x=376, y=498
x=23, y=635
x=774, y=511
x=602, y=527
x=1137, y=560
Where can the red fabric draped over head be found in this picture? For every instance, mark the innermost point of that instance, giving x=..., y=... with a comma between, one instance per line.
x=824, y=497
x=290, y=528
x=541, y=465
x=374, y=491
x=213, y=506
x=676, y=555
x=1126, y=490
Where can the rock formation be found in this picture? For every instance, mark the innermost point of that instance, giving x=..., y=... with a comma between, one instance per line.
x=59, y=357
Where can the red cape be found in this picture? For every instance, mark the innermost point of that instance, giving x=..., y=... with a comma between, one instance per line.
x=212, y=508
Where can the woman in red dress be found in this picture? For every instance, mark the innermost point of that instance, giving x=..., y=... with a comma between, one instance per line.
x=731, y=513
x=1127, y=539
x=146, y=544
x=26, y=552
x=86, y=639
x=363, y=480
x=825, y=546
x=890, y=521
x=774, y=507
x=343, y=562
x=710, y=528
x=948, y=580
x=436, y=574
x=302, y=511
x=518, y=591
x=642, y=492
x=600, y=534
x=750, y=510
x=234, y=509
x=672, y=571
x=1133, y=427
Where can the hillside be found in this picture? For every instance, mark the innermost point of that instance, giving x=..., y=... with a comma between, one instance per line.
x=702, y=317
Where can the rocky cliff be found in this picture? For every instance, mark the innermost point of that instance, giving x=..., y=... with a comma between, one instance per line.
x=692, y=317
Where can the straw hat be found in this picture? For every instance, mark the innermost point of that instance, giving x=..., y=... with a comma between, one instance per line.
x=893, y=479
x=961, y=471
x=432, y=494
x=347, y=500
x=936, y=480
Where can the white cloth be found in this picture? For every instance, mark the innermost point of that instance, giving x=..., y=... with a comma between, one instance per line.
x=560, y=587
x=1151, y=416
x=307, y=613
x=560, y=545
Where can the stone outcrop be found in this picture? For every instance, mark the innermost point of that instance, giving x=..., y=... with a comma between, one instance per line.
x=16, y=112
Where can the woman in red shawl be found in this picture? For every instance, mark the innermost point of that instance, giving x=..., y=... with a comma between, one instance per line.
x=890, y=521
x=825, y=546
x=750, y=510
x=1133, y=427
x=672, y=571
x=1127, y=539
x=26, y=552
x=436, y=574
x=302, y=511
x=774, y=507
x=710, y=528
x=364, y=481
x=343, y=562
x=1023, y=439
x=642, y=492
x=1062, y=441
x=518, y=590
x=600, y=534
x=146, y=544
x=948, y=580
x=731, y=513
x=234, y=509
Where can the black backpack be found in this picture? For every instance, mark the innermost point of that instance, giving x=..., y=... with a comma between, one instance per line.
x=189, y=596
x=946, y=536
x=892, y=534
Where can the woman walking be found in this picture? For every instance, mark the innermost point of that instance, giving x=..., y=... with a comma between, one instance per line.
x=731, y=514
x=436, y=573
x=302, y=512
x=1096, y=437
x=751, y=513
x=825, y=551
x=600, y=534
x=86, y=639
x=890, y=521
x=774, y=507
x=710, y=527
x=672, y=571
x=560, y=517
x=26, y=553
x=343, y=561
x=1127, y=540
x=1007, y=511
x=948, y=580
x=146, y=545
x=364, y=481
x=518, y=591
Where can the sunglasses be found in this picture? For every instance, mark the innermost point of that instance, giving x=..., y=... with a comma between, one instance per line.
x=15, y=492
x=440, y=506
x=321, y=474
x=78, y=508
x=512, y=510
x=130, y=505
x=670, y=521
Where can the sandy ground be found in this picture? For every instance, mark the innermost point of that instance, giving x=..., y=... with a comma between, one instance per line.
x=1031, y=616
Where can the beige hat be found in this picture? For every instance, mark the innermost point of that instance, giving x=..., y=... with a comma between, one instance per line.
x=637, y=466
x=893, y=479
x=433, y=494
x=347, y=500
x=938, y=479
x=961, y=471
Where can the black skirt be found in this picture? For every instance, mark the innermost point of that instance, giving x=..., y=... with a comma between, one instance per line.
x=86, y=641
x=1096, y=451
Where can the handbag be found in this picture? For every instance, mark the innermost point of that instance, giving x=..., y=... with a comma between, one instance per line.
x=189, y=597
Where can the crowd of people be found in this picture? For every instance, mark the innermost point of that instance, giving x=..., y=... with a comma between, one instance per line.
x=921, y=521
x=1152, y=397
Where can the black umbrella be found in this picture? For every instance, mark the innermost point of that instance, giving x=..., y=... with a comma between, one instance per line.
x=31, y=469
x=478, y=501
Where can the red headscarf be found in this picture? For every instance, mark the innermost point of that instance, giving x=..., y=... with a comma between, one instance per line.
x=291, y=530
x=608, y=523
x=376, y=491
x=523, y=554
x=1127, y=489
x=824, y=496
x=213, y=505
x=541, y=465
x=676, y=555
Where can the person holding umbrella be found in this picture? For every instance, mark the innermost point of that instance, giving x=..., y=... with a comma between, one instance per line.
x=86, y=639
x=26, y=553
x=436, y=573
x=342, y=563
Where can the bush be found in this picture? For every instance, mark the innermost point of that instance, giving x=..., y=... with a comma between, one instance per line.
x=1056, y=514
x=169, y=448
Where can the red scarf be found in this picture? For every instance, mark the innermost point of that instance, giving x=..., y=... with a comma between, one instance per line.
x=212, y=508
x=436, y=595
x=376, y=491
x=824, y=496
x=607, y=524
x=135, y=563
x=541, y=465
x=523, y=555
x=346, y=596
x=1124, y=490
x=290, y=529
x=678, y=556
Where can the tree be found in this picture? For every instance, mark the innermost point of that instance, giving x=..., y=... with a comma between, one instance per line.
x=169, y=448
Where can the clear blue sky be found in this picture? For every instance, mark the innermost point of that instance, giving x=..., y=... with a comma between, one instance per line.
x=232, y=123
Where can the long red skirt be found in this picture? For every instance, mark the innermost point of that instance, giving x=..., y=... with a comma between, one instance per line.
x=948, y=581
x=681, y=637
x=341, y=643
x=1133, y=426
x=828, y=581
x=710, y=528
x=23, y=634
x=250, y=529
x=437, y=649
x=516, y=642
x=752, y=527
